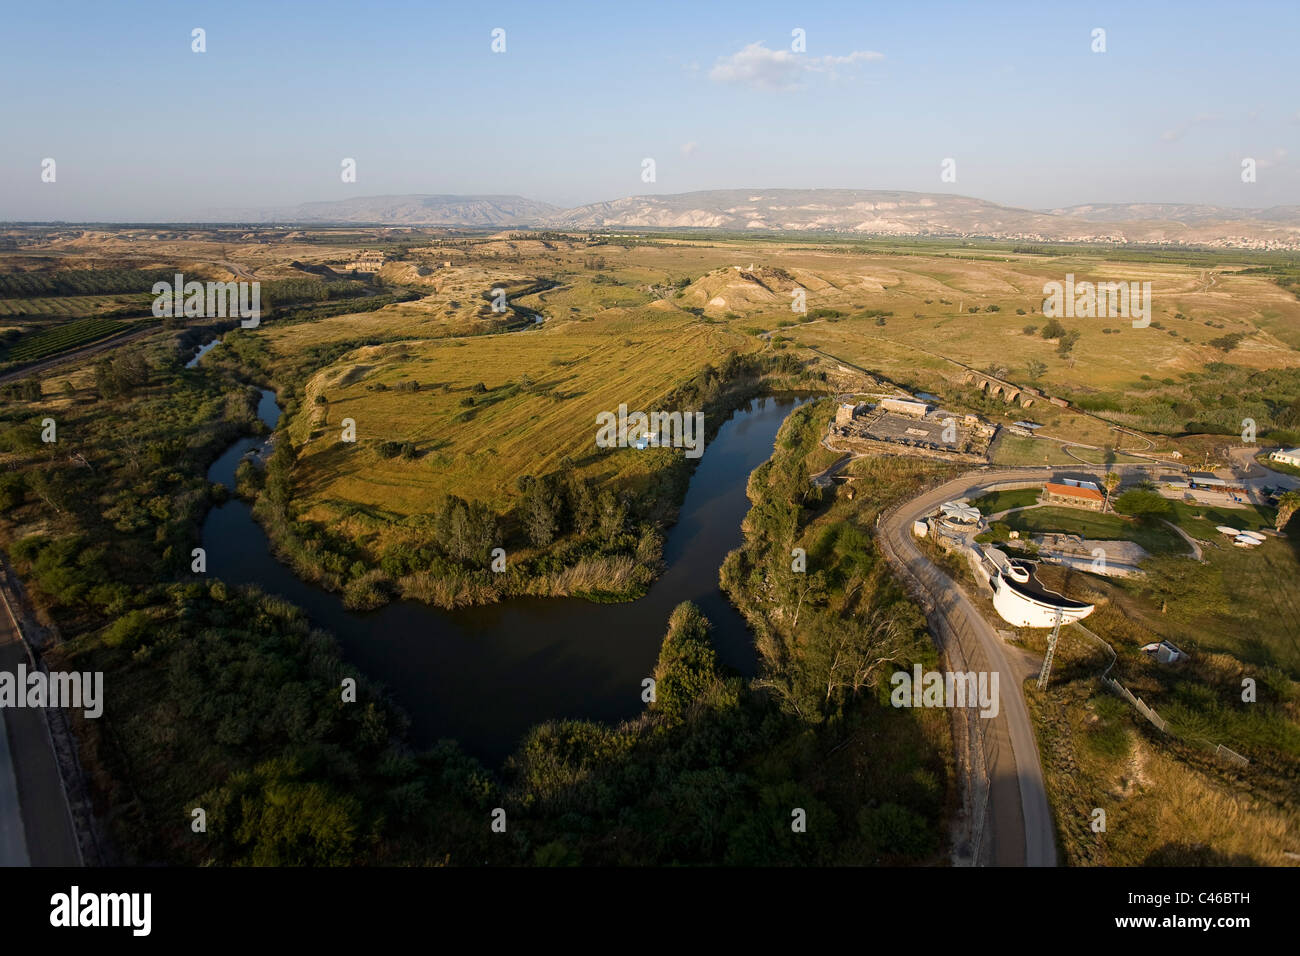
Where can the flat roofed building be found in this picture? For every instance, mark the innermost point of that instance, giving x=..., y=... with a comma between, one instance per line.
x=1287, y=456
x=904, y=407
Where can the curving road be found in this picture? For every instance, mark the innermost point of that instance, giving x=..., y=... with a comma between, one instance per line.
x=1022, y=829
x=36, y=825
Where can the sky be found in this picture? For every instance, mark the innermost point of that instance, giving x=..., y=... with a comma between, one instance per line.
x=142, y=128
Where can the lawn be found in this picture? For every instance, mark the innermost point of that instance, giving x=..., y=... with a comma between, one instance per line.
x=996, y=501
x=1155, y=538
x=1200, y=520
x=1017, y=451
x=1106, y=456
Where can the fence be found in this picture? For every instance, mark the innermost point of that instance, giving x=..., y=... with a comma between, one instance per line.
x=1156, y=720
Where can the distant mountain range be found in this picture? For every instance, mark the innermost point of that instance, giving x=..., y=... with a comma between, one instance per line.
x=409, y=210
x=865, y=212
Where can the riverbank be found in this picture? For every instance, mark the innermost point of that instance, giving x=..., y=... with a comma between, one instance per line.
x=535, y=657
x=567, y=533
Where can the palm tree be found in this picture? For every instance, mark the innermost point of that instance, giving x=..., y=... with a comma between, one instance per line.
x=1287, y=505
x=1110, y=483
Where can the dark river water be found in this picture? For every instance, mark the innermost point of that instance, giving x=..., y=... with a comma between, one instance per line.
x=484, y=675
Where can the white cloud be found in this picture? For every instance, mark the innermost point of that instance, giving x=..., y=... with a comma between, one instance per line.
x=760, y=68
x=688, y=148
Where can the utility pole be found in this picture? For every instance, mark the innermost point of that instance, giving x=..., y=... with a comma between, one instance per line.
x=1051, y=653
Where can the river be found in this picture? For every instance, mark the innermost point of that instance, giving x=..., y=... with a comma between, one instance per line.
x=484, y=675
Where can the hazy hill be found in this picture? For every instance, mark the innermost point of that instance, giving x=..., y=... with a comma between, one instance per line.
x=1177, y=212
x=900, y=213
x=409, y=210
x=866, y=212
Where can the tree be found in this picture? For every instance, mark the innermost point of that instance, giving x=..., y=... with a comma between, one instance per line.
x=1110, y=483
x=1287, y=505
x=1034, y=369
x=1053, y=329
x=612, y=515
x=688, y=664
x=539, y=515
x=1143, y=504
x=1065, y=343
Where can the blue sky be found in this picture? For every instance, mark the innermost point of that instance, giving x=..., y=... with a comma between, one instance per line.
x=143, y=128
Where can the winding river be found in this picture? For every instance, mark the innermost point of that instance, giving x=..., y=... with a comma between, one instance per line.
x=484, y=675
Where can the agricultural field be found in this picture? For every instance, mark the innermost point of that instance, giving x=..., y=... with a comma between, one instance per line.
x=540, y=393
x=46, y=342
x=67, y=306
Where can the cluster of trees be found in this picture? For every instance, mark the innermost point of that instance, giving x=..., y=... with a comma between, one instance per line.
x=226, y=699
x=829, y=621
x=120, y=375
x=23, y=390
x=466, y=531
x=1065, y=338
x=395, y=449
x=564, y=501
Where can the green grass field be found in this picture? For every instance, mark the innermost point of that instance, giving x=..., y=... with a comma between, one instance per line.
x=1101, y=456
x=1200, y=521
x=1155, y=538
x=996, y=501
x=1017, y=451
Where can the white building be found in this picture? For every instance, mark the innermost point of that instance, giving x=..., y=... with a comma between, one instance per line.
x=1021, y=600
x=1164, y=652
x=1287, y=456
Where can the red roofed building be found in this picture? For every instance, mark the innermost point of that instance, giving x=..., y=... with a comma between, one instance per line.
x=1072, y=496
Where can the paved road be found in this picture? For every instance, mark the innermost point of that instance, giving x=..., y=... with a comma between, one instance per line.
x=1023, y=833
x=13, y=842
x=1256, y=475
x=41, y=808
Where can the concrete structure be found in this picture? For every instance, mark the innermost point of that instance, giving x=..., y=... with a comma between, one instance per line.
x=996, y=388
x=1072, y=496
x=1021, y=600
x=955, y=523
x=366, y=261
x=1200, y=480
x=1287, y=456
x=1114, y=559
x=904, y=407
x=898, y=426
x=845, y=414
x=1164, y=652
